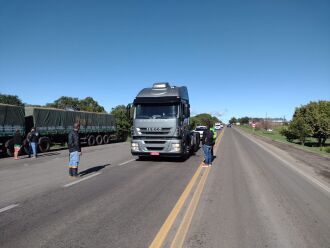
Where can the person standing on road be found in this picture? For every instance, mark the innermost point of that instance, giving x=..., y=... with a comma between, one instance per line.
x=17, y=140
x=207, y=141
x=33, y=141
x=214, y=132
x=74, y=150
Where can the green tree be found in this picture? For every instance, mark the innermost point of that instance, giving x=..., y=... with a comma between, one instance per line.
x=244, y=120
x=318, y=118
x=11, y=99
x=202, y=120
x=299, y=125
x=233, y=120
x=89, y=104
x=65, y=102
x=124, y=123
x=313, y=120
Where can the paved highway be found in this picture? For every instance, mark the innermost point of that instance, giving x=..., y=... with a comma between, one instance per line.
x=254, y=195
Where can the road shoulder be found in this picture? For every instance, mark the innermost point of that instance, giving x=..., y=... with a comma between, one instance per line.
x=313, y=164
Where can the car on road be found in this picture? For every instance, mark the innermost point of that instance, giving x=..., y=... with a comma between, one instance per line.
x=229, y=125
x=200, y=130
x=218, y=125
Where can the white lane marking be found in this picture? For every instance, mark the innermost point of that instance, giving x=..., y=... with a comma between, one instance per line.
x=127, y=162
x=294, y=168
x=83, y=179
x=8, y=207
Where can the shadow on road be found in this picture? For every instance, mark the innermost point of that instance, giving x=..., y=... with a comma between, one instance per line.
x=93, y=169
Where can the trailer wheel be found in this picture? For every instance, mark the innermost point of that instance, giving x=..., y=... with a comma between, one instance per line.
x=9, y=147
x=91, y=140
x=99, y=139
x=44, y=144
x=105, y=139
x=26, y=147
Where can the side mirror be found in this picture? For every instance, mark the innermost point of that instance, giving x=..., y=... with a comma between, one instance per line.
x=187, y=110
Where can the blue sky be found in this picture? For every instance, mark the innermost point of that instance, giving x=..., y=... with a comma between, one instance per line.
x=238, y=58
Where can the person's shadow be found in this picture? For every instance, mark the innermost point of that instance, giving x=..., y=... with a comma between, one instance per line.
x=93, y=169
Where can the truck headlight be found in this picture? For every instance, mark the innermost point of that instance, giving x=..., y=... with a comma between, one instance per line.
x=176, y=147
x=135, y=146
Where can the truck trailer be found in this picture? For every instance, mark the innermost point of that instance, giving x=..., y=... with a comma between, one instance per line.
x=161, y=122
x=54, y=125
x=12, y=118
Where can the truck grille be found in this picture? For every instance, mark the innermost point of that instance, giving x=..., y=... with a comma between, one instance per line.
x=154, y=142
x=154, y=131
x=155, y=148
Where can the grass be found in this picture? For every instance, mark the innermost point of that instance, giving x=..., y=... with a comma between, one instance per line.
x=276, y=136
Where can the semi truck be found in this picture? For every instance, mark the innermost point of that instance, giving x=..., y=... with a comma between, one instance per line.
x=161, y=122
x=54, y=125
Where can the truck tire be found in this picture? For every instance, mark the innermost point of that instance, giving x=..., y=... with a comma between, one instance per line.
x=105, y=139
x=195, y=142
x=10, y=147
x=91, y=140
x=26, y=147
x=99, y=139
x=44, y=144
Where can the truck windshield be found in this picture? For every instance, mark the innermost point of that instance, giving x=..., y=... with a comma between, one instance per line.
x=164, y=111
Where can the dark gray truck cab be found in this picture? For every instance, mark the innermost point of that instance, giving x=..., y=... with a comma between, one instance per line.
x=161, y=122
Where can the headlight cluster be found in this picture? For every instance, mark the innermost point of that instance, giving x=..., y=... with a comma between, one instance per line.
x=176, y=147
x=135, y=146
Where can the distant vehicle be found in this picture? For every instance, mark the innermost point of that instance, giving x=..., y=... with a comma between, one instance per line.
x=218, y=125
x=200, y=130
x=229, y=125
x=161, y=122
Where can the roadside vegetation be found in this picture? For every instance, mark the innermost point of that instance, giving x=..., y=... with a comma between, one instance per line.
x=202, y=120
x=309, y=128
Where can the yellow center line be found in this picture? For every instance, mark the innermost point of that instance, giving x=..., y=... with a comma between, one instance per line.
x=186, y=221
x=184, y=226
x=162, y=233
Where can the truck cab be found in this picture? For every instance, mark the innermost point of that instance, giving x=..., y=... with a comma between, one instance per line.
x=161, y=122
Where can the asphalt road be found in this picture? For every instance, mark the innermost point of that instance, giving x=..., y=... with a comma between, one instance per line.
x=252, y=196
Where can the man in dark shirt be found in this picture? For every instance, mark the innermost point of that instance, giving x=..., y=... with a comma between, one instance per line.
x=74, y=150
x=207, y=142
x=33, y=138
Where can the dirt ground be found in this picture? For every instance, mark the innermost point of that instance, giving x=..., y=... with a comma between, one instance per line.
x=320, y=164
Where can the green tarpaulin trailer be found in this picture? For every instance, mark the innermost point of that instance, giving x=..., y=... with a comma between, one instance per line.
x=11, y=119
x=53, y=126
x=56, y=121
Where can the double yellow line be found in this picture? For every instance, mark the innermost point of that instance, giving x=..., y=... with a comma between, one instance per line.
x=184, y=226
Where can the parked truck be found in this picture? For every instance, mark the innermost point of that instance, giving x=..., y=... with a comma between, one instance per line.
x=11, y=119
x=54, y=125
x=161, y=122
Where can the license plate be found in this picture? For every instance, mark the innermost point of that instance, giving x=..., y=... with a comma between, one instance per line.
x=154, y=153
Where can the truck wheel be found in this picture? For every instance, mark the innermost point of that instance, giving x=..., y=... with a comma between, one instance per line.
x=99, y=140
x=44, y=144
x=9, y=147
x=26, y=147
x=195, y=142
x=91, y=140
x=105, y=139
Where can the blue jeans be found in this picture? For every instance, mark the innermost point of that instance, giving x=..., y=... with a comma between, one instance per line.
x=207, y=154
x=74, y=159
x=33, y=146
